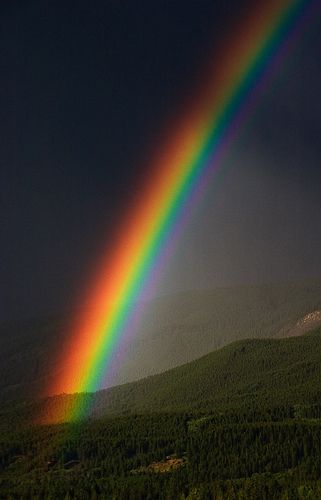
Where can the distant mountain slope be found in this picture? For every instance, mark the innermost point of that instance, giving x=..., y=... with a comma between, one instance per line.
x=28, y=353
x=173, y=330
x=245, y=374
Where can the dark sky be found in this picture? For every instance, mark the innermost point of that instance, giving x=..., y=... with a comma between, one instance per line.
x=86, y=90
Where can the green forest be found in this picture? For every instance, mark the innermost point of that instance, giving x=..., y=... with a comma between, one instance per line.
x=243, y=422
x=230, y=455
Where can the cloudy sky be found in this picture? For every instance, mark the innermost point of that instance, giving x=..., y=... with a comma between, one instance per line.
x=87, y=89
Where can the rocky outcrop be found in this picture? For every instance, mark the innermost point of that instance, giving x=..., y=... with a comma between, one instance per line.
x=307, y=323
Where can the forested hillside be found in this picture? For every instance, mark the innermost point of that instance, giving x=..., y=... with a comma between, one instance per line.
x=253, y=373
x=173, y=330
x=241, y=422
x=268, y=455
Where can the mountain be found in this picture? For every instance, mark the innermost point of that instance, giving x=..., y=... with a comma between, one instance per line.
x=241, y=422
x=252, y=373
x=27, y=354
x=173, y=330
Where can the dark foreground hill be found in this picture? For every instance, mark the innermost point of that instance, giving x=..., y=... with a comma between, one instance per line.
x=253, y=373
x=173, y=330
x=267, y=456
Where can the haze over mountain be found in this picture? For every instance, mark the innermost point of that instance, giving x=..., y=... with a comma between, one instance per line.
x=173, y=330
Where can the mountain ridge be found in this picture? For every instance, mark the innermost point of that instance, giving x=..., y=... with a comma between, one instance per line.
x=260, y=373
x=173, y=330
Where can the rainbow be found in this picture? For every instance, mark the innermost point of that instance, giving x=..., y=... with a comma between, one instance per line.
x=177, y=177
